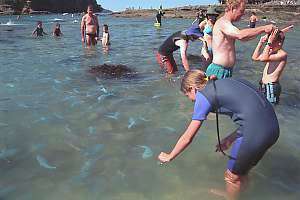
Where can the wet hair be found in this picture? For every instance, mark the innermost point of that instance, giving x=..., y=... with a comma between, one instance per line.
x=90, y=6
x=193, y=78
x=39, y=23
x=105, y=26
x=280, y=37
x=233, y=3
x=253, y=13
x=57, y=25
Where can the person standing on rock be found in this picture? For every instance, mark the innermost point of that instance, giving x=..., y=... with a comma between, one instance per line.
x=224, y=36
x=89, y=27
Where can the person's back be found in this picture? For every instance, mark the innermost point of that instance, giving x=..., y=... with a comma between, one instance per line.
x=105, y=36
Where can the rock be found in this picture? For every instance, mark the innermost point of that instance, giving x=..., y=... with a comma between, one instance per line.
x=112, y=71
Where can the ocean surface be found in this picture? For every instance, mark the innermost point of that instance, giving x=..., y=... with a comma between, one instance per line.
x=65, y=134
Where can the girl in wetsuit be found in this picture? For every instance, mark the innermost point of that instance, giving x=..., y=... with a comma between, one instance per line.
x=207, y=27
x=258, y=126
x=39, y=31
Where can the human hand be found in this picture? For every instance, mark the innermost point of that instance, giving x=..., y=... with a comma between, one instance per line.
x=264, y=38
x=269, y=28
x=164, y=157
x=82, y=40
x=286, y=29
x=273, y=35
x=224, y=145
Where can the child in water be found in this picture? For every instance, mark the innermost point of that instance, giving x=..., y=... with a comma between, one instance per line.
x=39, y=31
x=105, y=36
x=257, y=131
x=276, y=59
x=56, y=31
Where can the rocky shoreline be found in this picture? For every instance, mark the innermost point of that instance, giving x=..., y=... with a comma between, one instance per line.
x=278, y=13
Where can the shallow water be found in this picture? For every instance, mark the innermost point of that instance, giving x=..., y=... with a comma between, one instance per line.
x=67, y=135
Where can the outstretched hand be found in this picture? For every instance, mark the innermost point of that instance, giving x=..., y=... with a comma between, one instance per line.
x=164, y=157
x=224, y=145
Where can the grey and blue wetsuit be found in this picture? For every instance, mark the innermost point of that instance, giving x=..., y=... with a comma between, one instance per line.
x=208, y=30
x=258, y=126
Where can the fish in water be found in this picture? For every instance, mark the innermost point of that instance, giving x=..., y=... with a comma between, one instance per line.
x=147, y=151
x=113, y=115
x=5, y=153
x=112, y=71
x=131, y=122
x=44, y=163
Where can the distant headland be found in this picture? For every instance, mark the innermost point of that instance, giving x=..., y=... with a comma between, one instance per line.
x=275, y=10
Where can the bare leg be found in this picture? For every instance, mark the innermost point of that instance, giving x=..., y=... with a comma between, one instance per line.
x=234, y=184
x=88, y=40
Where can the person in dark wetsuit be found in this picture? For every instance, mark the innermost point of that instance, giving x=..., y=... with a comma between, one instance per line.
x=258, y=125
x=178, y=40
x=56, y=31
x=39, y=31
x=158, y=16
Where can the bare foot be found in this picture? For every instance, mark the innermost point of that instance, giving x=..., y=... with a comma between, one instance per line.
x=220, y=193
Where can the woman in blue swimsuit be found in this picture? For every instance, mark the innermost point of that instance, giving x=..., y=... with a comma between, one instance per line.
x=257, y=123
x=207, y=27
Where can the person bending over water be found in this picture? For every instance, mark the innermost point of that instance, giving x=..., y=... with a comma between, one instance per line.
x=89, y=27
x=56, y=31
x=224, y=36
x=39, y=31
x=276, y=59
x=254, y=115
x=178, y=40
x=207, y=27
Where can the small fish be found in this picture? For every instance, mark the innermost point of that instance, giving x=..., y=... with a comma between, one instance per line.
x=101, y=97
x=10, y=85
x=144, y=119
x=44, y=163
x=42, y=119
x=84, y=171
x=94, y=150
x=5, y=153
x=157, y=96
x=170, y=129
x=113, y=115
x=76, y=91
x=58, y=116
x=92, y=130
x=104, y=90
x=5, y=191
x=3, y=124
x=68, y=129
x=57, y=81
x=131, y=122
x=147, y=151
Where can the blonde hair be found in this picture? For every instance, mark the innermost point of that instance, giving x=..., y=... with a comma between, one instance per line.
x=233, y=3
x=193, y=78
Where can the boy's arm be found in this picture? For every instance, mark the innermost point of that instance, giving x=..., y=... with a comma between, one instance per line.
x=97, y=33
x=256, y=54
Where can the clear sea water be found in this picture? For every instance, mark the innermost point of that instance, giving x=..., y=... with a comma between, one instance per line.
x=66, y=135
